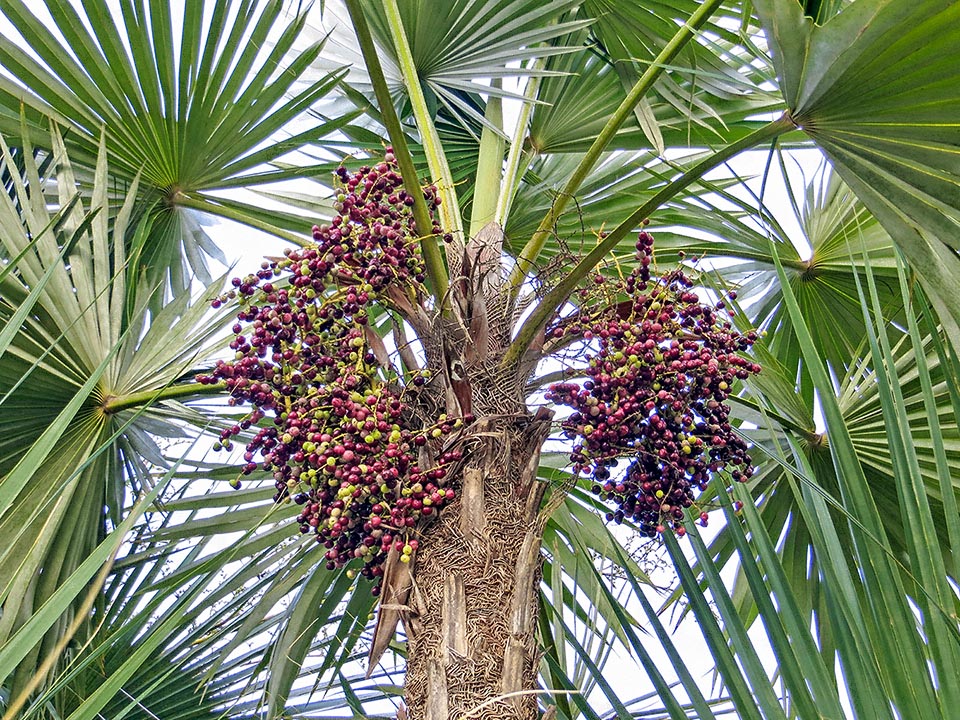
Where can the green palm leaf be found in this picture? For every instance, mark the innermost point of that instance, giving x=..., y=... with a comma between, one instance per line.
x=860, y=86
x=68, y=367
x=191, y=115
x=454, y=45
x=708, y=100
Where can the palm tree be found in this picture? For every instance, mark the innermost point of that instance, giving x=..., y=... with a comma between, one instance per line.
x=134, y=584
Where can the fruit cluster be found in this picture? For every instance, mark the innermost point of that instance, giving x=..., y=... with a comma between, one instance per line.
x=654, y=394
x=344, y=442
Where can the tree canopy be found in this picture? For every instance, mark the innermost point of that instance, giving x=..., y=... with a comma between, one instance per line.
x=486, y=178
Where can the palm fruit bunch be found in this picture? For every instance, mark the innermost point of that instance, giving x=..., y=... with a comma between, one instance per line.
x=659, y=366
x=334, y=424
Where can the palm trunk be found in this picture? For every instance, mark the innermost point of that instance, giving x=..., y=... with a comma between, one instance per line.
x=471, y=634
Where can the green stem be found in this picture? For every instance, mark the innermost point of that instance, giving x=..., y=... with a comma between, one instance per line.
x=436, y=160
x=116, y=404
x=527, y=257
x=559, y=294
x=486, y=189
x=511, y=177
x=436, y=272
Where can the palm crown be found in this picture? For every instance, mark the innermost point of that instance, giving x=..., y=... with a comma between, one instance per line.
x=135, y=583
